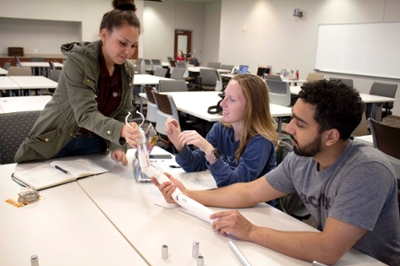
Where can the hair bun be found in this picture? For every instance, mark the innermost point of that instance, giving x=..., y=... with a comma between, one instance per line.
x=124, y=5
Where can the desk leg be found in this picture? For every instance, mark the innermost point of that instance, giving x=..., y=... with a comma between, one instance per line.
x=279, y=124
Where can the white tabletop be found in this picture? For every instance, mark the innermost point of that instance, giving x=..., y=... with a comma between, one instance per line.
x=57, y=64
x=290, y=81
x=3, y=72
x=131, y=207
x=23, y=103
x=8, y=84
x=34, y=82
x=367, y=98
x=196, y=103
x=367, y=139
x=35, y=64
x=65, y=228
x=197, y=69
x=143, y=79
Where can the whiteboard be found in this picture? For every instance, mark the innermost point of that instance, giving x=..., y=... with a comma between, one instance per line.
x=370, y=49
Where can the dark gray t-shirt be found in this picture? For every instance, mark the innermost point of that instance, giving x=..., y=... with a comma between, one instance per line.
x=359, y=189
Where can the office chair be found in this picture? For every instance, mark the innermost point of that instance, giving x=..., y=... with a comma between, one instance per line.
x=273, y=77
x=15, y=127
x=214, y=65
x=382, y=89
x=17, y=61
x=6, y=65
x=218, y=85
x=151, y=114
x=314, y=76
x=165, y=108
x=207, y=79
x=347, y=82
x=160, y=72
x=148, y=67
x=386, y=139
x=177, y=73
x=172, y=85
x=279, y=92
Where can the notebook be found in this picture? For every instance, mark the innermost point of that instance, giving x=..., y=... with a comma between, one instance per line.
x=243, y=69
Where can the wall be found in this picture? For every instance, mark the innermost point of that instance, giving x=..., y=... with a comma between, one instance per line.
x=160, y=21
x=212, y=33
x=275, y=37
x=44, y=25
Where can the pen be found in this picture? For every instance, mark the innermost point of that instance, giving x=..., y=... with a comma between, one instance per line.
x=238, y=254
x=174, y=166
x=62, y=170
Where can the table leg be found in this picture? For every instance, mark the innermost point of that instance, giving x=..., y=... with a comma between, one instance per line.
x=279, y=124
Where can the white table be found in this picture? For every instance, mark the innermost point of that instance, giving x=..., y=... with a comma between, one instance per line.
x=34, y=82
x=196, y=103
x=6, y=83
x=57, y=64
x=65, y=228
x=365, y=97
x=3, y=72
x=295, y=81
x=23, y=103
x=197, y=69
x=131, y=207
x=146, y=79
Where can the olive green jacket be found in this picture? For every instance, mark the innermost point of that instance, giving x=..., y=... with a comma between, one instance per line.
x=74, y=105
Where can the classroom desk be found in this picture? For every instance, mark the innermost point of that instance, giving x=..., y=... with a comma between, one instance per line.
x=197, y=69
x=3, y=72
x=146, y=79
x=65, y=228
x=23, y=103
x=196, y=103
x=131, y=208
x=6, y=83
x=365, y=97
x=34, y=82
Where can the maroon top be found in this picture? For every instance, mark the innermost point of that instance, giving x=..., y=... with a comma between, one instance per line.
x=110, y=90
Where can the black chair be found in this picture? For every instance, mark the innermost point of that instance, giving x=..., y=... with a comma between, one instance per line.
x=382, y=89
x=347, y=82
x=15, y=127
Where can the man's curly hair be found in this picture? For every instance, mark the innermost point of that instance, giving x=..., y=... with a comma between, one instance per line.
x=336, y=105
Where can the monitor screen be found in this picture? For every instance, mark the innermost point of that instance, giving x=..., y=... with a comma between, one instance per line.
x=263, y=70
x=243, y=69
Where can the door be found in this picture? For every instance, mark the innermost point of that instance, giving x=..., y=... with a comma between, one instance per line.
x=183, y=41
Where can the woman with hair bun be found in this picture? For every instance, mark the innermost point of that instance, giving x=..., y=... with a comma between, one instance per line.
x=94, y=94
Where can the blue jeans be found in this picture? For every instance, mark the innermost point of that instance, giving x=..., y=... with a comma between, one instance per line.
x=83, y=146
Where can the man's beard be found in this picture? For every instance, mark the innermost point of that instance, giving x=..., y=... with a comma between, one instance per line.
x=310, y=149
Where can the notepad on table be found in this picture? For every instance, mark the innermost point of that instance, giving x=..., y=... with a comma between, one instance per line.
x=57, y=172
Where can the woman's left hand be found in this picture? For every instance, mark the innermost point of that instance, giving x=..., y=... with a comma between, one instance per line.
x=191, y=137
x=119, y=156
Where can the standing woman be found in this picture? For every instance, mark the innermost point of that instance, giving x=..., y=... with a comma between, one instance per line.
x=239, y=148
x=94, y=94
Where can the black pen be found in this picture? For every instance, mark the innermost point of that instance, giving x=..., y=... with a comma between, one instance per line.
x=62, y=170
x=174, y=166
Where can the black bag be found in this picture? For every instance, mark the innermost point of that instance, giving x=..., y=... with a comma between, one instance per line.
x=217, y=109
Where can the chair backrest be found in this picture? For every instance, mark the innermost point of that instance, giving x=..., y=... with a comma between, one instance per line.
x=227, y=67
x=172, y=85
x=180, y=64
x=218, y=85
x=54, y=74
x=51, y=65
x=208, y=77
x=172, y=63
x=279, y=92
x=314, y=76
x=156, y=63
x=19, y=71
x=148, y=65
x=273, y=77
x=138, y=61
x=384, y=89
x=15, y=127
x=385, y=138
x=17, y=60
x=169, y=58
x=165, y=108
x=177, y=73
x=151, y=114
x=160, y=72
x=6, y=65
x=214, y=64
x=37, y=59
x=347, y=82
